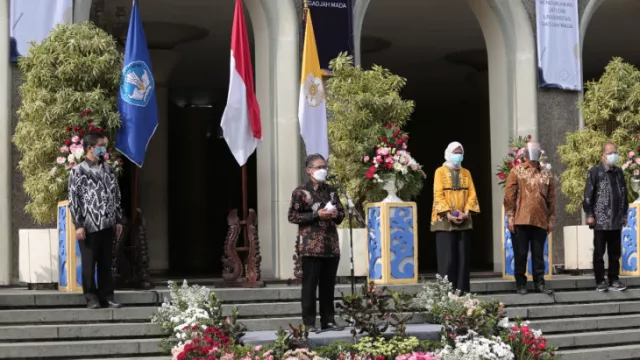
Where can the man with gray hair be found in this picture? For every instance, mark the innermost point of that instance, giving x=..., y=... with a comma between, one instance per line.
x=529, y=203
x=316, y=209
x=605, y=205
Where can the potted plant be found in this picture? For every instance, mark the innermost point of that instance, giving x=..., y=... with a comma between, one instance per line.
x=360, y=105
x=77, y=67
x=608, y=116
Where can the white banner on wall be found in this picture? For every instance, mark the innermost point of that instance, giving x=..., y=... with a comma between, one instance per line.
x=32, y=20
x=558, y=44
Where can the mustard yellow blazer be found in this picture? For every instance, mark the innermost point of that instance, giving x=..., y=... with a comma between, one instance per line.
x=452, y=190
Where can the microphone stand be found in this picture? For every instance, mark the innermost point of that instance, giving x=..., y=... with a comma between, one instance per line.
x=351, y=208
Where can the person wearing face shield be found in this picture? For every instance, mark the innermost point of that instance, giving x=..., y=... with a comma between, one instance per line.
x=316, y=209
x=94, y=202
x=454, y=201
x=529, y=203
x=605, y=205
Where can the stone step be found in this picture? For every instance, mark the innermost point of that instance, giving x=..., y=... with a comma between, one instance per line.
x=586, y=324
x=596, y=338
x=572, y=310
x=79, y=349
x=21, y=298
x=62, y=316
x=78, y=331
x=609, y=353
x=565, y=297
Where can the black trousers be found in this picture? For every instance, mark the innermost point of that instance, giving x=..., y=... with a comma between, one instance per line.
x=96, y=251
x=609, y=240
x=318, y=273
x=525, y=236
x=453, y=249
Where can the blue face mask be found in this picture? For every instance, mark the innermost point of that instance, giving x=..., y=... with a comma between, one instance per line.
x=456, y=159
x=612, y=159
x=99, y=152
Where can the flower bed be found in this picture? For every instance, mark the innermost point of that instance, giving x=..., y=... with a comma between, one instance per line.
x=472, y=329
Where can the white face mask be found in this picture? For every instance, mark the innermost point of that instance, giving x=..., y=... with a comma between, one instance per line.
x=534, y=152
x=320, y=175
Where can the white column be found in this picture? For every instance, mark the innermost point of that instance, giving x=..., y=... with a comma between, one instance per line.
x=81, y=10
x=359, y=11
x=512, y=88
x=278, y=72
x=5, y=147
x=153, y=178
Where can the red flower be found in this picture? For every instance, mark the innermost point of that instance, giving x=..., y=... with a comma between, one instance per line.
x=100, y=130
x=76, y=128
x=501, y=175
x=91, y=128
x=384, y=140
x=396, y=124
x=380, y=357
x=89, y=121
x=87, y=112
x=67, y=129
x=389, y=126
x=67, y=142
x=528, y=136
x=81, y=132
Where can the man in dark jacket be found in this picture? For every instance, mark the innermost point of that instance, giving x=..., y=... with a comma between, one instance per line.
x=605, y=204
x=94, y=201
x=316, y=208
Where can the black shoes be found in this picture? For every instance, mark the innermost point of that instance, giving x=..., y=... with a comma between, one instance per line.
x=93, y=305
x=521, y=290
x=543, y=289
x=108, y=304
x=330, y=326
x=602, y=286
x=617, y=286
x=113, y=305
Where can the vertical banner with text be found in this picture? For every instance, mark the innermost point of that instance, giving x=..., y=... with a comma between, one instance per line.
x=333, y=27
x=558, y=36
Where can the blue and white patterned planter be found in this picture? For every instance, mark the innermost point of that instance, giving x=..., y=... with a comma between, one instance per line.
x=630, y=236
x=392, y=242
x=508, y=263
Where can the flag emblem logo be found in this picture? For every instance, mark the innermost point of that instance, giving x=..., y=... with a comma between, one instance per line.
x=313, y=90
x=137, y=84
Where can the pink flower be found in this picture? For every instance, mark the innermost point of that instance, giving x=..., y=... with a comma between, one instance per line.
x=383, y=151
x=638, y=160
x=388, y=160
x=61, y=160
x=74, y=147
x=64, y=149
x=258, y=348
x=636, y=172
x=404, y=146
x=75, y=139
x=378, y=159
x=106, y=156
x=366, y=159
x=632, y=154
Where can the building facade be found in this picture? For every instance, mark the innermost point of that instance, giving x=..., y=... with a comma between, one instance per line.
x=516, y=106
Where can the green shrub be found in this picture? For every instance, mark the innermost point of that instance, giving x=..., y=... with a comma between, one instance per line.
x=76, y=68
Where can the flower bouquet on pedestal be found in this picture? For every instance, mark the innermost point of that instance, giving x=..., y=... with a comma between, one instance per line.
x=72, y=150
x=632, y=169
x=390, y=165
x=516, y=156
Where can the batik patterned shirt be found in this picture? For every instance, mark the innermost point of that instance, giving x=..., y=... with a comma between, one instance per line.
x=605, y=197
x=315, y=237
x=94, y=196
x=530, y=196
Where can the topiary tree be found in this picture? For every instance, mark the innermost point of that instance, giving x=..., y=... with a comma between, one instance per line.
x=360, y=104
x=76, y=68
x=611, y=112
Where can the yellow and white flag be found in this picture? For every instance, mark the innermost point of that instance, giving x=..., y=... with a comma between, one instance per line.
x=312, y=110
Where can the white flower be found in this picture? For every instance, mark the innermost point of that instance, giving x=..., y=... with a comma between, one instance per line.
x=60, y=160
x=71, y=159
x=78, y=153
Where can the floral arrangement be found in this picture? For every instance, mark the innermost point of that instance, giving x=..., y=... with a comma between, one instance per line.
x=418, y=356
x=632, y=165
x=72, y=149
x=526, y=343
x=208, y=344
x=193, y=306
x=475, y=347
x=389, y=156
x=516, y=156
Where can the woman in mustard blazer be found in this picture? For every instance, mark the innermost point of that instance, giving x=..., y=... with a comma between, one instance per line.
x=454, y=201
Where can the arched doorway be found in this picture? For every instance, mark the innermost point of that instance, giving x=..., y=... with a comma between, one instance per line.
x=439, y=47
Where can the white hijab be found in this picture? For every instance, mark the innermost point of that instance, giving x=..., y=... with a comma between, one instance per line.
x=449, y=151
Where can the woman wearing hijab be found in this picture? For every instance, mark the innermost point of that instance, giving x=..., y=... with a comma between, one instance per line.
x=454, y=201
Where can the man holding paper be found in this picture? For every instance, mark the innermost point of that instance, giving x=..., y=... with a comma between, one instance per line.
x=316, y=208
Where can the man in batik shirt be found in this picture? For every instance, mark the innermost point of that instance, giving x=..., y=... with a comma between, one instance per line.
x=316, y=208
x=605, y=204
x=529, y=203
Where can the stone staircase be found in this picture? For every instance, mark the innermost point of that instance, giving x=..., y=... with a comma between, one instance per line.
x=585, y=324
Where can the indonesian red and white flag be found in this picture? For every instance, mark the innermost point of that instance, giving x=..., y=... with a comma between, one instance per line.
x=241, y=119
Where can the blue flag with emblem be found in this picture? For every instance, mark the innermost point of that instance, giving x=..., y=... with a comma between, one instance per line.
x=137, y=99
